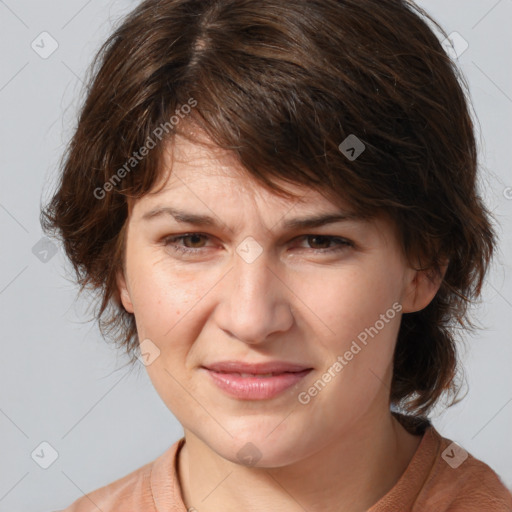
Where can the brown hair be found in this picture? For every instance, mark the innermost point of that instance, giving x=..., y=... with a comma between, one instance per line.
x=281, y=85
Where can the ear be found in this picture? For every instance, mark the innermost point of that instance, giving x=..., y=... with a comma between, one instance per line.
x=124, y=293
x=421, y=287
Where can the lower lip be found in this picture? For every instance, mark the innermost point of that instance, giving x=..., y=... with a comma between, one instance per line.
x=255, y=388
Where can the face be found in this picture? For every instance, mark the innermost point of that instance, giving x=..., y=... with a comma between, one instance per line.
x=322, y=302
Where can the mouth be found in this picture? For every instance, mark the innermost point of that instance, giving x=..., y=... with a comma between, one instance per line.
x=262, y=368
x=255, y=381
x=256, y=375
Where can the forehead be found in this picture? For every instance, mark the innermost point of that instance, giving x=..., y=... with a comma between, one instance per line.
x=200, y=166
x=206, y=185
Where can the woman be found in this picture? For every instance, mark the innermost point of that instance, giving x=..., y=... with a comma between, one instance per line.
x=277, y=204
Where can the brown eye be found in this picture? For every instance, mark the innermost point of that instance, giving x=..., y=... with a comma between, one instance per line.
x=323, y=243
x=195, y=240
x=187, y=243
x=318, y=240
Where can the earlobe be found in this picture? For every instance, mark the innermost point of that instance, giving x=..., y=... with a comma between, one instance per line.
x=124, y=294
x=421, y=288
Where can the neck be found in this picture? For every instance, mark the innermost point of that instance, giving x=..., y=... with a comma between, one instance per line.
x=351, y=473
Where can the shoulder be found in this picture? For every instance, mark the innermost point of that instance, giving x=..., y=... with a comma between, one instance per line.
x=459, y=482
x=135, y=491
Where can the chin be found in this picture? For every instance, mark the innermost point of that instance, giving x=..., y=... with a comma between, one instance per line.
x=261, y=447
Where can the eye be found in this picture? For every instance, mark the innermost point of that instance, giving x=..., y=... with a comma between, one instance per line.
x=193, y=243
x=323, y=240
x=195, y=238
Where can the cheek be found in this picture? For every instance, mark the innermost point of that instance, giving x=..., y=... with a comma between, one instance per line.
x=350, y=300
x=166, y=306
x=357, y=306
x=162, y=295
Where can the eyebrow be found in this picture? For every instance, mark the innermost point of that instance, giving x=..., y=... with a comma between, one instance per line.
x=314, y=221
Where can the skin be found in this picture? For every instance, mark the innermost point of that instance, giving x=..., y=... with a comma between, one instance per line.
x=341, y=451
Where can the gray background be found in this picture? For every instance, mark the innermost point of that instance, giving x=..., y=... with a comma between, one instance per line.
x=61, y=383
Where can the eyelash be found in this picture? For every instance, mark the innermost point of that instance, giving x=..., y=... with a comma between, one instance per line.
x=169, y=242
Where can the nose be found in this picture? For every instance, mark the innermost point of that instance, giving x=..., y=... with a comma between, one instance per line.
x=257, y=302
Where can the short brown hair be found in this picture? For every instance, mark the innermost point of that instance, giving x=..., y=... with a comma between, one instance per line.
x=281, y=85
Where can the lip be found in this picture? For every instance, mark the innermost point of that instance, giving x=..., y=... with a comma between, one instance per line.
x=226, y=376
x=256, y=368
